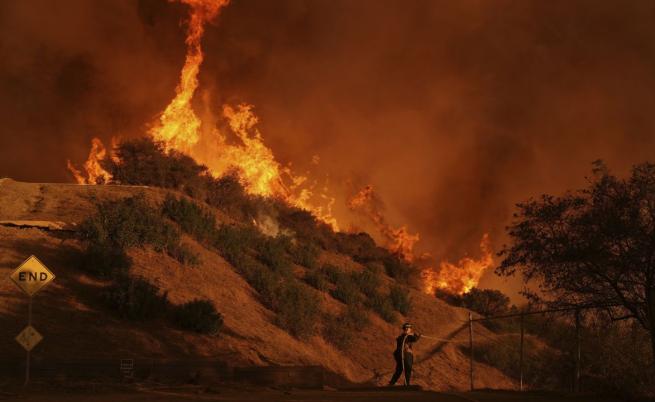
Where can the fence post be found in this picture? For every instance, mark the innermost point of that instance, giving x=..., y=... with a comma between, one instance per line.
x=521, y=355
x=576, y=384
x=471, y=349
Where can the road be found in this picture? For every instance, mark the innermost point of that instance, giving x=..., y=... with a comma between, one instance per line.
x=186, y=393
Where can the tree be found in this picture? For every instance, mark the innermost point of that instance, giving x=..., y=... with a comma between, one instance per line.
x=592, y=246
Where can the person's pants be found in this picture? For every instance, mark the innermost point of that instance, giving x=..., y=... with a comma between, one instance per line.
x=409, y=359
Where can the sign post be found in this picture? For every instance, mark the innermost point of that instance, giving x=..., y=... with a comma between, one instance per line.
x=30, y=276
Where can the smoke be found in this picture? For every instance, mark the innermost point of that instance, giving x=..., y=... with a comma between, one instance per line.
x=452, y=110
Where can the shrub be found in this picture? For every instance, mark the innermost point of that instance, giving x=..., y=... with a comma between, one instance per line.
x=400, y=299
x=105, y=261
x=183, y=254
x=488, y=302
x=383, y=307
x=233, y=242
x=119, y=225
x=332, y=273
x=227, y=193
x=341, y=330
x=346, y=290
x=305, y=253
x=262, y=279
x=136, y=299
x=198, y=316
x=297, y=309
x=146, y=162
x=273, y=253
x=317, y=280
x=191, y=218
x=368, y=281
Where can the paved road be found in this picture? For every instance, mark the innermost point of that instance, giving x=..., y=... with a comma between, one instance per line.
x=185, y=394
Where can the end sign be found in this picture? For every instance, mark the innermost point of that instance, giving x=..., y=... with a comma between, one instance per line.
x=31, y=276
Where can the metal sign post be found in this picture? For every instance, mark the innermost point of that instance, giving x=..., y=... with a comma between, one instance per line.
x=31, y=276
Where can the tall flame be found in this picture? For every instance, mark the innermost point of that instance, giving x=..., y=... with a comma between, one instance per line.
x=459, y=278
x=180, y=128
x=95, y=173
x=178, y=125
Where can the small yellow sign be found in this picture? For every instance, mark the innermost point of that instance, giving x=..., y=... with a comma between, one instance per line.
x=31, y=276
x=29, y=338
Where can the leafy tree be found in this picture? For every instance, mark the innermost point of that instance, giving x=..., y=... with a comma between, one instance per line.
x=592, y=246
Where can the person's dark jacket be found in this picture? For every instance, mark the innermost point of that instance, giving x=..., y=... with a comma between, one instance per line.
x=408, y=340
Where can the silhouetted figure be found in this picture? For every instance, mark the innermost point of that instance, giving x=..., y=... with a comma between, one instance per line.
x=403, y=354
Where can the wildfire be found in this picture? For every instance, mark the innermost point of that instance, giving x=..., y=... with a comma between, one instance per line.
x=459, y=278
x=398, y=240
x=178, y=127
x=95, y=173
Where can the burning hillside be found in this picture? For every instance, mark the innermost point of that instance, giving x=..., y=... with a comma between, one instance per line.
x=237, y=145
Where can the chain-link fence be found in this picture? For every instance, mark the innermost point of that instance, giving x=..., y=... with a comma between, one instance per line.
x=566, y=349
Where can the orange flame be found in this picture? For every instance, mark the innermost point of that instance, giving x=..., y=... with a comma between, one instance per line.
x=398, y=240
x=180, y=128
x=178, y=124
x=95, y=173
x=459, y=278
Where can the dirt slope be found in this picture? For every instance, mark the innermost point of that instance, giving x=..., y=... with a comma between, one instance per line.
x=74, y=325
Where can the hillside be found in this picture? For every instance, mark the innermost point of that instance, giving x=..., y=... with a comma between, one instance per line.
x=39, y=219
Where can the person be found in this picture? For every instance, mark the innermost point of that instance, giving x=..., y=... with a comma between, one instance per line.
x=403, y=354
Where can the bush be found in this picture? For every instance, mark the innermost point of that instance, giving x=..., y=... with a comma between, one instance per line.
x=136, y=299
x=105, y=261
x=400, y=299
x=488, y=302
x=346, y=290
x=341, y=330
x=317, y=280
x=332, y=273
x=305, y=254
x=297, y=309
x=227, y=194
x=233, y=242
x=383, y=307
x=191, y=218
x=119, y=225
x=273, y=253
x=262, y=279
x=143, y=161
x=183, y=254
x=368, y=281
x=198, y=316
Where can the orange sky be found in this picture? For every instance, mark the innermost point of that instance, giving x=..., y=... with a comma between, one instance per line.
x=453, y=111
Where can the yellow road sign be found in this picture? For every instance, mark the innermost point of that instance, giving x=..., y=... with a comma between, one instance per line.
x=31, y=276
x=29, y=338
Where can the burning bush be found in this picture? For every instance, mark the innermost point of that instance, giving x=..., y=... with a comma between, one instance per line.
x=198, y=316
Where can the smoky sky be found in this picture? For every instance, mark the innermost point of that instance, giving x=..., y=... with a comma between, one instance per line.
x=452, y=110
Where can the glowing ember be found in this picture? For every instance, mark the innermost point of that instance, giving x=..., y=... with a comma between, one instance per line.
x=95, y=173
x=459, y=278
